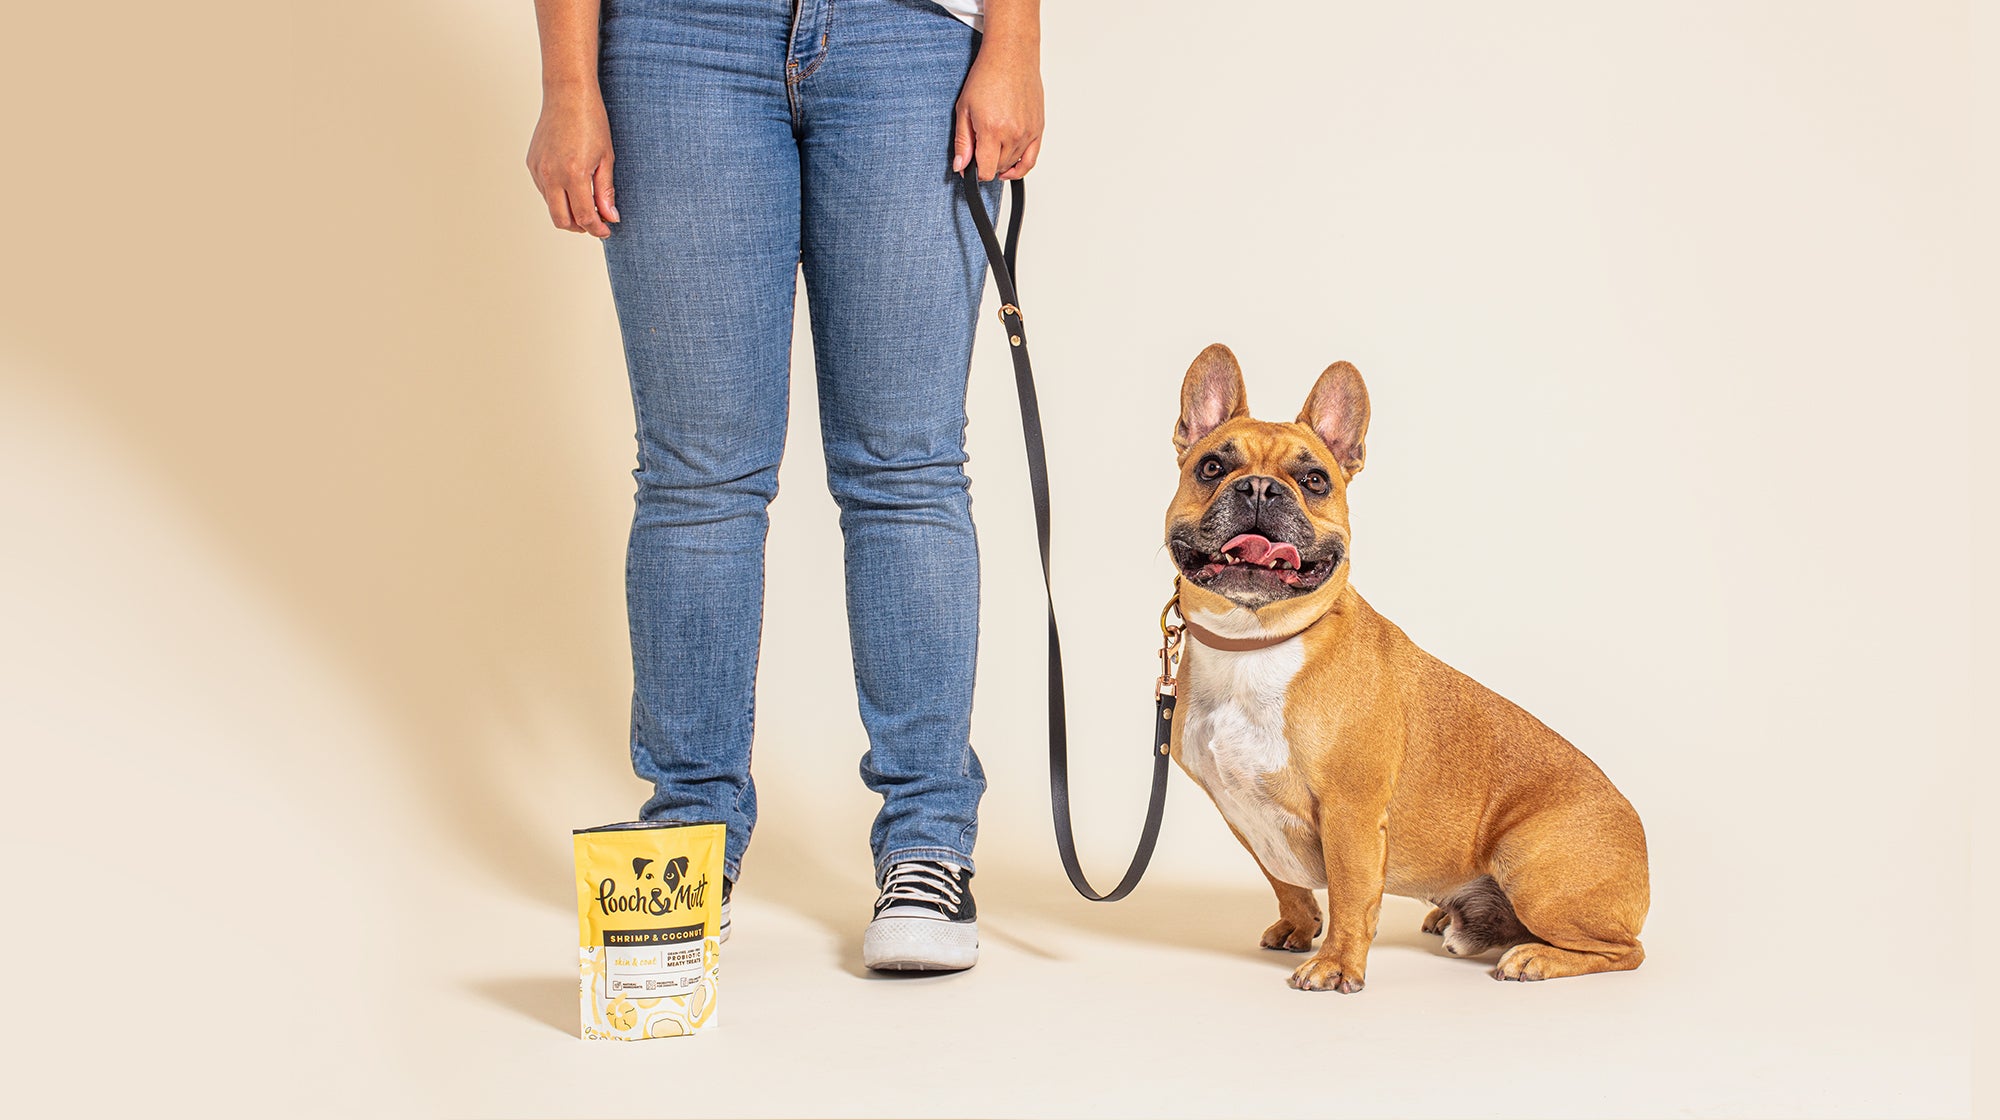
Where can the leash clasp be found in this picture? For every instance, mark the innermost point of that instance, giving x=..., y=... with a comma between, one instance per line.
x=1171, y=634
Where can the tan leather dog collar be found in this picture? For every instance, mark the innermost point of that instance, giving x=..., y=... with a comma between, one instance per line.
x=1213, y=640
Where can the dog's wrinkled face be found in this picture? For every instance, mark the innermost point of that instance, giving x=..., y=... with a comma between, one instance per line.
x=1261, y=516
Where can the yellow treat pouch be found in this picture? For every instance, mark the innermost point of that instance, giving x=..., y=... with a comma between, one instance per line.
x=649, y=906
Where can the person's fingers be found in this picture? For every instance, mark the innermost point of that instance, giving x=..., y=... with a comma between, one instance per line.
x=1027, y=161
x=583, y=208
x=989, y=153
x=558, y=209
x=606, y=198
x=1010, y=147
x=961, y=139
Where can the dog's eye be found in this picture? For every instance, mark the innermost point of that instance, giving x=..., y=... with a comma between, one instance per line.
x=1315, y=481
x=1209, y=470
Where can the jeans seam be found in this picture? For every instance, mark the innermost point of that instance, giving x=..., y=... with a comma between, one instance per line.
x=795, y=77
x=825, y=44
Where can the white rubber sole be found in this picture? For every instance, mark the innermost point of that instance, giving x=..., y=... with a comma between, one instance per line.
x=920, y=945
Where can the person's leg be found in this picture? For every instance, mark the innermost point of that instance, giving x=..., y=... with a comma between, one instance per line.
x=894, y=271
x=703, y=269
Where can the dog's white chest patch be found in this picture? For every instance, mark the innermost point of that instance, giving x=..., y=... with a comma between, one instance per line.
x=1234, y=740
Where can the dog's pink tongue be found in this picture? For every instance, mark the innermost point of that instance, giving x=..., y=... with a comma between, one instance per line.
x=1255, y=549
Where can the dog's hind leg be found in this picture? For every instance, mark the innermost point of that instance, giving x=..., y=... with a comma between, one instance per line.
x=1538, y=961
x=1477, y=918
x=1576, y=932
x=1437, y=921
x=1583, y=898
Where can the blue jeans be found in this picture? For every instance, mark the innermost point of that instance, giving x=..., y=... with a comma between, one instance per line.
x=752, y=138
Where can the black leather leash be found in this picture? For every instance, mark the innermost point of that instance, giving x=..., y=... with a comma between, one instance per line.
x=1002, y=260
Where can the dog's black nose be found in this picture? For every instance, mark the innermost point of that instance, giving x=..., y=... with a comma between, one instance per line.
x=1258, y=488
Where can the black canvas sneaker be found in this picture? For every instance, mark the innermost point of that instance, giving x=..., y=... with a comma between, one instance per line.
x=924, y=920
x=723, y=934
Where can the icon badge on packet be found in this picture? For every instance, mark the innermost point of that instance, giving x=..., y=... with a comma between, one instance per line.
x=649, y=906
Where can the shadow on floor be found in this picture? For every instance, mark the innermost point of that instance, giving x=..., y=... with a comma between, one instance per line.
x=549, y=1000
x=1223, y=918
x=792, y=870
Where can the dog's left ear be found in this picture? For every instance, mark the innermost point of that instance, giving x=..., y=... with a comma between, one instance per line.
x=1211, y=396
x=1337, y=411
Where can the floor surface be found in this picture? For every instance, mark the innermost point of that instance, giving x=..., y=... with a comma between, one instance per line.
x=1163, y=1006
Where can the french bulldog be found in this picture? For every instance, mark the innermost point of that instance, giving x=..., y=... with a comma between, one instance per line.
x=1342, y=755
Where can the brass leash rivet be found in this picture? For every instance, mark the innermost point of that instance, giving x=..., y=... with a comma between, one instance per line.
x=1016, y=340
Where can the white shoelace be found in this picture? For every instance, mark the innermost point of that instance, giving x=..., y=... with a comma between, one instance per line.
x=919, y=881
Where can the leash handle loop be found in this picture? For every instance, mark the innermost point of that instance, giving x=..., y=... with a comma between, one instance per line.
x=1002, y=259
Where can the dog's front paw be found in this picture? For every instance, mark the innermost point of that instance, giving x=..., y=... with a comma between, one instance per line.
x=1322, y=974
x=1291, y=935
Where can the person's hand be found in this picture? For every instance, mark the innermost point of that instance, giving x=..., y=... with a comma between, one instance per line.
x=999, y=115
x=570, y=160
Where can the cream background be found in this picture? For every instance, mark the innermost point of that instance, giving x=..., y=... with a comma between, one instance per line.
x=312, y=454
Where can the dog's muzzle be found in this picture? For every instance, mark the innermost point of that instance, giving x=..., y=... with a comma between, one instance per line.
x=1256, y=566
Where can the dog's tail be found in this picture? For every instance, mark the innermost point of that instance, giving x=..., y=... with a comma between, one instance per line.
x=1481, y=919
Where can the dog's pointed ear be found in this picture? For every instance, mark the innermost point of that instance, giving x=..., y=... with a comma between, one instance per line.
x=1211, y=396
x=1337, y=411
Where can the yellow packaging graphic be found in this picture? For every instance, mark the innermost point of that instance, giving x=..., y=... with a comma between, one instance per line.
x=649, y=911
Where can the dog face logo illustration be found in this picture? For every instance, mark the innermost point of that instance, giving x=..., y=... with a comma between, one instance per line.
x=675, y=870
x=673, y=892
x=672, y=873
